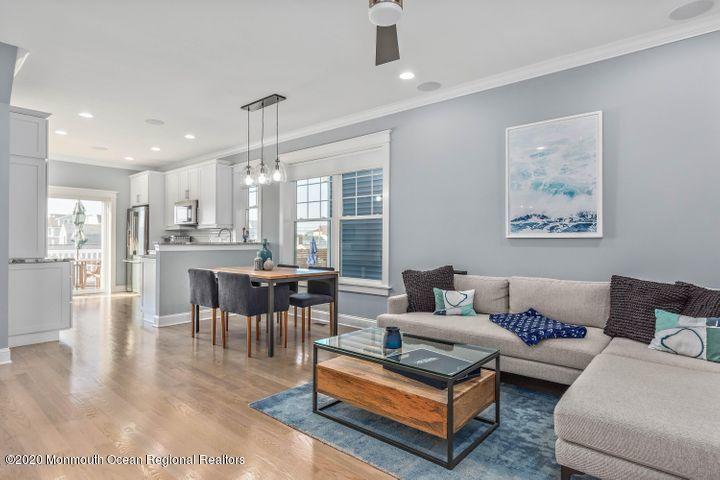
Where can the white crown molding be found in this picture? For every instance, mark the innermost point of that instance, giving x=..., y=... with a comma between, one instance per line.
x=20, y=59
x=100, y=163
x=619, y=48
x=336, y=149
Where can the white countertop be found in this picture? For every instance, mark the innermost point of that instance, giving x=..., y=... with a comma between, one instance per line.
x=195, y=246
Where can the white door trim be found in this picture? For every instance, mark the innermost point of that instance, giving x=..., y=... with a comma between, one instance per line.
x=109, y=197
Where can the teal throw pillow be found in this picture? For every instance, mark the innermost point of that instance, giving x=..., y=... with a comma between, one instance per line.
x=687, y=336
x=451, y=302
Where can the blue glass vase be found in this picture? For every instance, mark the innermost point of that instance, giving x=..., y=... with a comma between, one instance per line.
x=393, y=338
x=264, y=253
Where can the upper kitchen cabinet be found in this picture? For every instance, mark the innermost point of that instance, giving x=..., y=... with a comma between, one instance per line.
x=210, y=183
x=148, y=188
x=27, y=230
x=28, y=133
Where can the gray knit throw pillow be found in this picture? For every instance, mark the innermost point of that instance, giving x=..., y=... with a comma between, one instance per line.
x=419, y=287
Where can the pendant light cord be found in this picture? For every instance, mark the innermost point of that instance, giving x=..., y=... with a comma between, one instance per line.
x=248, y=142
x=262, y=139
x=277, y=133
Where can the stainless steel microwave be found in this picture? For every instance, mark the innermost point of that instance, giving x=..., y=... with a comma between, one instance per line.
x=186, y=212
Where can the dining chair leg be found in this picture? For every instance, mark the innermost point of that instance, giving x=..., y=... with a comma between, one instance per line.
x=223, y=325
x=332, y=315
x=257, y=327
x=214, y=324
x=285, y=315
x=302, y=325
x=280, y=323
x=249, y=336
x=295, y=317
x=309, y=318
x=192, y=320
x=267, y=323
x=227, y=321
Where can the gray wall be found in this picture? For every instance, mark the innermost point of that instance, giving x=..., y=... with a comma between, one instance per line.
x=65, y=174
x=7, y=68
x=661, y=173
x=172, y=274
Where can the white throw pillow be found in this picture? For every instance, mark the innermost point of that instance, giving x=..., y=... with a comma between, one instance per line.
x=453, y=302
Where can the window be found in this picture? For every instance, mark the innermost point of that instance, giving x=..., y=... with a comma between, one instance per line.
x=313, y=204
x=338, y=201
x=361, y=225
x=252, y=214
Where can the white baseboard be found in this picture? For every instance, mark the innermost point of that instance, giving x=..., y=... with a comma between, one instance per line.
x=159, y=321
x=119, y=289
x=5, y=356
x=33, y=338
x=343, y=319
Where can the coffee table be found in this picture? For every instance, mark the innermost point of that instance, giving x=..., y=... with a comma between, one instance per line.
x=364, y=374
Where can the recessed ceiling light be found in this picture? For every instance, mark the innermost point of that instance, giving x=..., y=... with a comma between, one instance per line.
x=129, y=159
x=86, y=115
x=407, y=75
x=429, y=86
x=190, y=136
x=60, y=132
x=154, y=121
x=99, y=147
x=155, y=149
x=691, y=10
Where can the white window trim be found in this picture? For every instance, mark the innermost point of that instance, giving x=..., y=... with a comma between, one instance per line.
x=360, y=153
x=240, y=207
x=246, y=192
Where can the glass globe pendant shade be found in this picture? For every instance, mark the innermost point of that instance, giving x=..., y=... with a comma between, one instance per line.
x=262, y=177
x=248, y=177
x=279, y=172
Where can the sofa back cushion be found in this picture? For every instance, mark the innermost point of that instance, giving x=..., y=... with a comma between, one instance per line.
x=491, y=293
x=582, y=303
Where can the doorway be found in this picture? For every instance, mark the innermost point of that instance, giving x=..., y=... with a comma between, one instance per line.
x=80, y=228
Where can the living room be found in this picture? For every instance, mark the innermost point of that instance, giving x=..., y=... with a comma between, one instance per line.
x=549, y=169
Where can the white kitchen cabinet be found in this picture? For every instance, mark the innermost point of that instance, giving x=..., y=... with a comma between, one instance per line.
x=188, y=184
x=33, y=317
x=140, y=189
x=172, y=195
x=28, y=133
x=209, y=183
x=28, y=207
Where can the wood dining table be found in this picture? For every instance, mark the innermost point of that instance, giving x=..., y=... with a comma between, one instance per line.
x=280, y=275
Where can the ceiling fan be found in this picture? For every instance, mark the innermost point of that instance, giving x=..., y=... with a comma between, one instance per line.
x=385, y=14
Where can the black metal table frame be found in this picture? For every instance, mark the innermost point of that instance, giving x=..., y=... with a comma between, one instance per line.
x=271, y=283
x=451, y=459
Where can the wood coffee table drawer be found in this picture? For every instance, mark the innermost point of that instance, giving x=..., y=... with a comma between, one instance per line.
x=369, y=386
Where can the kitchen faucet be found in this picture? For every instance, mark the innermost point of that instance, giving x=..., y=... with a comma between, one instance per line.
x=225, y=230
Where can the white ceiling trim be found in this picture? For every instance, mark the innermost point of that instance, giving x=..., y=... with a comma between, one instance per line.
x=99, y=163
x=558, y=64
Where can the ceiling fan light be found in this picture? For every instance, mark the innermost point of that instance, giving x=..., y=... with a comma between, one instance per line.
x=385, y=13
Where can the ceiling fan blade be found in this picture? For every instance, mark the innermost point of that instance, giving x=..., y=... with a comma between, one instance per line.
x=386, y=46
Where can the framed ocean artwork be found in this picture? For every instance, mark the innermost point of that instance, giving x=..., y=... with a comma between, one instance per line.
x=554, y=178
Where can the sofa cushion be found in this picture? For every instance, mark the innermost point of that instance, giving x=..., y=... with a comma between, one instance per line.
x=625, y=347
x=703, y=302
x=419, y=287
x=659, y=416
x=479, y=330
x=582, y=303
x=491, y=293
x=633, y=303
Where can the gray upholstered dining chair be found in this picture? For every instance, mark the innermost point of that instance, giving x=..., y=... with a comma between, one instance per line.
x=319, y=292
x=203, y=293
x=238, y=295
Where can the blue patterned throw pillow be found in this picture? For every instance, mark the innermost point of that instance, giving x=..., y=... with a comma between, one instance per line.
x=532, y=327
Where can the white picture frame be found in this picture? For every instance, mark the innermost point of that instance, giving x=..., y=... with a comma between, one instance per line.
x=554, y=178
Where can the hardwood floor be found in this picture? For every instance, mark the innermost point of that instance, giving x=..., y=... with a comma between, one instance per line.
x=114, y=386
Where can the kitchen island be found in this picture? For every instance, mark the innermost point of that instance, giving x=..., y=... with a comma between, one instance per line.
x=165, y=285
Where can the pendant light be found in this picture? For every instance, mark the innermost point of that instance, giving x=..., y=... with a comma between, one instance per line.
x=248, y=172
x=261, y=176
x=277, y=174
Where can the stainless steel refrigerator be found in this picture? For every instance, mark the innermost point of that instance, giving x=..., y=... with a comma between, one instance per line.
x=137, y=244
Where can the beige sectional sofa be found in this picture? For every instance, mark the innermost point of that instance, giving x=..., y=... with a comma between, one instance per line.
x=629, y=413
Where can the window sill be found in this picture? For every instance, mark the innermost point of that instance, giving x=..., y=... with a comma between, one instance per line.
x=364, y=286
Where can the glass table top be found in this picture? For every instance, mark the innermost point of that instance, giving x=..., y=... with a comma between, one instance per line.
x=417, y=353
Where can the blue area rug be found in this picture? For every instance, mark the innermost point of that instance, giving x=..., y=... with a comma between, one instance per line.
x=523, y=447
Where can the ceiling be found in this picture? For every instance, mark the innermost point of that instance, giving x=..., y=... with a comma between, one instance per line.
x=193, y=64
